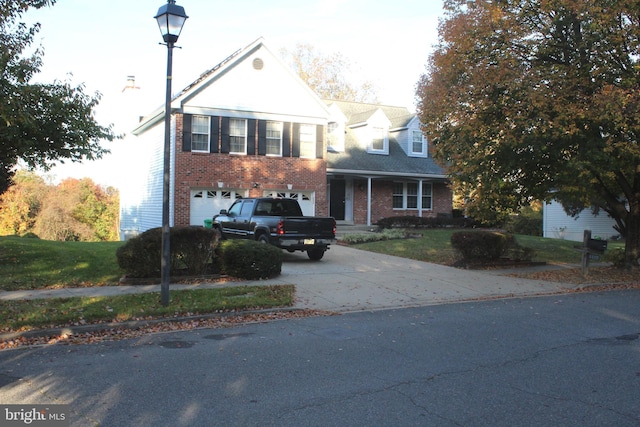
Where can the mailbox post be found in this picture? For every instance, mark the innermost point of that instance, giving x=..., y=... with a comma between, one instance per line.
x=590, y=247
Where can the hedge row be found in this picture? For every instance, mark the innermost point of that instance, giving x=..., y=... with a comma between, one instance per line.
x=427, y=222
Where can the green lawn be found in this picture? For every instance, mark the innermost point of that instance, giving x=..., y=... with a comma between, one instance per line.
x=435, y=246
x=43, y=313
x=34, y=263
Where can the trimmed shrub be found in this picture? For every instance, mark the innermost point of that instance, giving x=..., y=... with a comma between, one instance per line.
x=479, y=246
x=192, y=252
x=487, y=246
x=248, y=259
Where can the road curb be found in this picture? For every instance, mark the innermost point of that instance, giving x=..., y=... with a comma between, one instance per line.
x=131, y=324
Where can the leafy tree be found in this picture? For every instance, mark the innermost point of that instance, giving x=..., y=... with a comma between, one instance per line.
x=327, y=75
x=40, y=124
x=79, y=210
x=21, y=203
x=540, y=99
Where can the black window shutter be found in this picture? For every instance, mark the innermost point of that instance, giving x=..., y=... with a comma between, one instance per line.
x=262, y=137
x=186, y=132
x=214, y=134
x=286, y=139
x=251, y=137
x=295, y=150
x=224, y=132
x=319, y=141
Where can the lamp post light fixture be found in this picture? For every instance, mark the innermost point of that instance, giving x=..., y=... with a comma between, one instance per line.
x=170, y=19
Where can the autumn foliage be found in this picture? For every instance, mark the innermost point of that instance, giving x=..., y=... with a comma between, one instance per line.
x=539, y=100
x=74, y=210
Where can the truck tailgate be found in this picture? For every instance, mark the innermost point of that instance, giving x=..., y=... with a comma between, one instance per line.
x=318, y=227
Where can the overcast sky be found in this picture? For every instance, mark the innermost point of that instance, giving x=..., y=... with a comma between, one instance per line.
x=101, y=42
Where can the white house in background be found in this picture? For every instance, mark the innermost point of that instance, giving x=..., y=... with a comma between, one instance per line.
x=557, y=224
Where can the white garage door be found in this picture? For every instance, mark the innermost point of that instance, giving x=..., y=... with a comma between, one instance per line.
x=305, y=199
x=207, y=203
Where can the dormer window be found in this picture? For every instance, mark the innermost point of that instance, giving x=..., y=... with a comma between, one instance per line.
x=379, y=140
x=335, y=137
x=417, y=143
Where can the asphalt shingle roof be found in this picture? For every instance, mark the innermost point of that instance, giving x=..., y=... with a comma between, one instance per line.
x=355, y=158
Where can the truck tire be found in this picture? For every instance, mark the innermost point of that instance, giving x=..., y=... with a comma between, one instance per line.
x=316, y=254
x=263, y=238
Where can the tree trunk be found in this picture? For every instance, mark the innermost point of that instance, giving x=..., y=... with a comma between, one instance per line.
x=632, y=244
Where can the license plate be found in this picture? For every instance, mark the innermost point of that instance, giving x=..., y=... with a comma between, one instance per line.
x=309, y=241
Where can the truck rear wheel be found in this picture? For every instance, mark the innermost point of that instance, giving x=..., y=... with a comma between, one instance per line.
x=263, y=238
x=316, y=254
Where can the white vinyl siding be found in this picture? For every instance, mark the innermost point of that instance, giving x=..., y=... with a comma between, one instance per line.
x=556, y=224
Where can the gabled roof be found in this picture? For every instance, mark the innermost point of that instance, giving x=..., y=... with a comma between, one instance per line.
x=356, y=160
x=199, y=91
x=358, y=112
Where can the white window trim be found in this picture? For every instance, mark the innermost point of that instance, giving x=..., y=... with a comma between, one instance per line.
x=335, y=136
x=385, y=141
x=273, y=139
x=208, y=118
x=312, y=143
x=405, y=197
x=244, y=136
x=422, y=142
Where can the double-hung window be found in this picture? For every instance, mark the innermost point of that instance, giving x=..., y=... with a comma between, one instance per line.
x=237, y=136
x=405, y=195
x=307, y=141
x=200, y=133
x=274, y=138
x=398, y=195
x=427, y=196
x=417, y=143
x=412, y=195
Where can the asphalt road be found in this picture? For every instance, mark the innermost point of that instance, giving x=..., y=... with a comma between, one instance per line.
x=570, y=360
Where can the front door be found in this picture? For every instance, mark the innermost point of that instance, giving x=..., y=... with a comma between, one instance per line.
x=337, y=198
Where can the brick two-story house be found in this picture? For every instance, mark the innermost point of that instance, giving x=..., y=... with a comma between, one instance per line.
x=251, y=127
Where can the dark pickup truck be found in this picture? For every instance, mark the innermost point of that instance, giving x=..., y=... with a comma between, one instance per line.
x=279, y=222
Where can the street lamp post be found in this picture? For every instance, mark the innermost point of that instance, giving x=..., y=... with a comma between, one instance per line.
x=170, y=19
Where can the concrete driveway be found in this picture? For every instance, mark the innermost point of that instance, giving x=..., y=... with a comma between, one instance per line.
x=348, y=279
